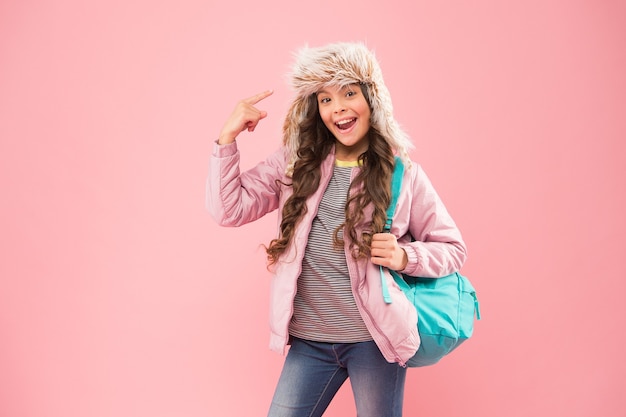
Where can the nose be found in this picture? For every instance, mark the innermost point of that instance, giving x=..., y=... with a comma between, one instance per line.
x=339, y=106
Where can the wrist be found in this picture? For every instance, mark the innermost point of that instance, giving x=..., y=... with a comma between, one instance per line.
x=225, y=139
x=405, y=260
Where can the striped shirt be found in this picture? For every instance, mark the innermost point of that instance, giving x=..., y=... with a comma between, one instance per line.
x=324, y=306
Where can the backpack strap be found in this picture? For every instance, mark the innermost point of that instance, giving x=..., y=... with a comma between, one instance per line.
x=396, y=185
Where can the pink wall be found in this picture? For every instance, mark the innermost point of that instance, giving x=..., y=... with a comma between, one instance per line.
x=120, y=297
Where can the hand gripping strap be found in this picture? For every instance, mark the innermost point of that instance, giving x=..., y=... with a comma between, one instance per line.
x=396, y=185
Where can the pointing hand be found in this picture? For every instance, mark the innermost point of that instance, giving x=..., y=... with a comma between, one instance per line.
x=245, y=116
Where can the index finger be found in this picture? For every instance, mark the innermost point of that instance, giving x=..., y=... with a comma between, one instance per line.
x=258, y=97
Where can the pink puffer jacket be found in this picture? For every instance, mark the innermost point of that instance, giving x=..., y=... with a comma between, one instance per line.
x=235, y=198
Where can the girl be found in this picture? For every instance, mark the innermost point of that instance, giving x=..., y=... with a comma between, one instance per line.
x=330, y=182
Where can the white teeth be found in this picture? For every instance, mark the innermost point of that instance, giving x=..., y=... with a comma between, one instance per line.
x=343, y=122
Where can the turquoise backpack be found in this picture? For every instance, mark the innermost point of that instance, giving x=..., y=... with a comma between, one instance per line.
x=446, y=306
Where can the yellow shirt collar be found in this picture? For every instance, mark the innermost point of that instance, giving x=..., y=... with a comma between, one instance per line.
x=347, y=164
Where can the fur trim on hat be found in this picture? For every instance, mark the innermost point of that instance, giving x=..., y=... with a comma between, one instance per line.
x=339, y=65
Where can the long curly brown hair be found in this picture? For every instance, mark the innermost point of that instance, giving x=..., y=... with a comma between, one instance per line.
x=371, y=186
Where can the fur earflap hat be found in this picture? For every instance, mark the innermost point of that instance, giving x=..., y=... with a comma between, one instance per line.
x=339, y=65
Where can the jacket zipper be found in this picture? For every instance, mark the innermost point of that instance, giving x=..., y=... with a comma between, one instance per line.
x=361, y=305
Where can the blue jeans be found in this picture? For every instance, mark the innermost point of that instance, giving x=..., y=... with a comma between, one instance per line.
x=314, y=372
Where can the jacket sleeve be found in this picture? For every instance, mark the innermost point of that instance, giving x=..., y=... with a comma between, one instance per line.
x=234, y=198
x=434, y=246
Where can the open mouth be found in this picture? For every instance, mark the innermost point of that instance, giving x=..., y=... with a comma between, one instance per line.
x=345, y=124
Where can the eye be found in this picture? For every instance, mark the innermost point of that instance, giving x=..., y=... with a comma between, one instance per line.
x=350, y=93
x=324, y=100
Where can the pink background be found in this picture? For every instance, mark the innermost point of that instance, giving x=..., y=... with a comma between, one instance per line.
x=119, y=296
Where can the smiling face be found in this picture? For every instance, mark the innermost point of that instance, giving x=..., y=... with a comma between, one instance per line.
x=346, y=113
